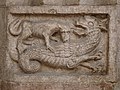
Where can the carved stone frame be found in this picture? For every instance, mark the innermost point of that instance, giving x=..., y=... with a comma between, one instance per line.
x=111, y=11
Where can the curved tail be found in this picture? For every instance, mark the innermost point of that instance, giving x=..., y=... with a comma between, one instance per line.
x=29, y=61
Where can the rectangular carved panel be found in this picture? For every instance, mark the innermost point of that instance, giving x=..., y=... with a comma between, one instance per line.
x=71, y=41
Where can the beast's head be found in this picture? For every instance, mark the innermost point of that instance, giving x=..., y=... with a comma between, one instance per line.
x=65, y=33
x=90, y=22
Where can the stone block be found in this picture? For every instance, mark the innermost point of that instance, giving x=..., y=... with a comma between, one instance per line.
x=17, y=2
x=61, y=48
x=98, y=2
x=54, y=86
x=24, y=2
x=2, y=2
x=61, y=2
x=41, y=2
x=118, y=1
x=3, y=43
x=118, y=52
x=58, y=46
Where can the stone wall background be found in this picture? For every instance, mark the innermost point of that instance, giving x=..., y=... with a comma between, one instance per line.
x=81, y=2
x=3, y=23
x=3, y=36
x=118, y=56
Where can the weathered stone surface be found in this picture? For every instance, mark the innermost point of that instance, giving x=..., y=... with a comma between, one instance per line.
x=24, y=2
x=2, y=41
x=39, y=32
x=58, y=22
x=118, y=1
x=25, y=35
x=36, y=2
x=98, y=2
x=61, y=2
x=40, y=2
x=2, y=2
x=55, y=86
x=2, y=38
x=118, y=52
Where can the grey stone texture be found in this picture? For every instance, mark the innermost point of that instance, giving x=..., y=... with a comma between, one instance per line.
x=24, y=2
x=61, y=2
x=98, y=2
x=118, y=1
x=2, y=2
x=3, y=43
x=19, y=16
x=3, y=34
x=118, y=51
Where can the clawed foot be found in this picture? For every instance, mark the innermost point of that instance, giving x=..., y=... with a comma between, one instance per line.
x=76, y=62
x=98, y=56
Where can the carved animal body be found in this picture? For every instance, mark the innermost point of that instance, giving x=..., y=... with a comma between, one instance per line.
x=43, y=30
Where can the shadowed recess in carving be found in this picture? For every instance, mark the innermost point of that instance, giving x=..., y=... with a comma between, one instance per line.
x=58, y=44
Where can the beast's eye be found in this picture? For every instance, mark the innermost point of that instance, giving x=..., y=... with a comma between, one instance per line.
x=90, y=23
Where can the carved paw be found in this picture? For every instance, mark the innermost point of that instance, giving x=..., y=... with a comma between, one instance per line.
x=74, y=63
x=99, y=53
x=98, y=56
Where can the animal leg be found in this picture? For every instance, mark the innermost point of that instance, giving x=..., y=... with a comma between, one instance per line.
x=75, y=62
x=47, y=42
x=87, y=66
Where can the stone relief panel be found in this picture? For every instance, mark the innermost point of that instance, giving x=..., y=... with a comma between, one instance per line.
x=60, y=43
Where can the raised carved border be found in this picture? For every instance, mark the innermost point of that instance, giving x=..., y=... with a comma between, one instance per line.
x=111, y=11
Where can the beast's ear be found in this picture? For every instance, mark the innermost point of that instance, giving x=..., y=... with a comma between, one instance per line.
x=103, y=24
x=15, y=27
x=105, y=21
